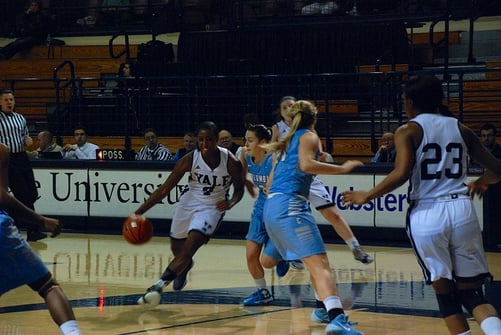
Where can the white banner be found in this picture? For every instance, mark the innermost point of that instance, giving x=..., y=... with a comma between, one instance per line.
x=117, y=193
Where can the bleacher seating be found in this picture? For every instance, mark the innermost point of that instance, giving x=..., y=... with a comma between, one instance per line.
x=222, y=75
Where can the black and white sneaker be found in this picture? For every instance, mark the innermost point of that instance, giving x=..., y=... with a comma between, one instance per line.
x=362, y=256
x=180, y=282
x=151, y=298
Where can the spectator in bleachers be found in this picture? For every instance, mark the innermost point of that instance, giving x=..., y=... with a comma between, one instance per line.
x=488, y=133
x=226, y=141
x=32, y=28
x=153, y=151
x=45, y=144
x=126, y=77
x=492, y=210
x=189, y=145
x=488, y=137
x=386, y=152
x=81, y=149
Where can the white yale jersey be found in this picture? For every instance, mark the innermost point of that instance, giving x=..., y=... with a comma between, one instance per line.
x=441, y=159
x=207, y=186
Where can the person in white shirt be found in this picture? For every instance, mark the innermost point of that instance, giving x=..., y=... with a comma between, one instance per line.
x=81, y=149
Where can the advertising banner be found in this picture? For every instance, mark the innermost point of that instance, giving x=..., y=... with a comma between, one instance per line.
x=118, y=192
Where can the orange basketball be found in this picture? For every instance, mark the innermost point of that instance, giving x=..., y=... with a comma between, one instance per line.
x=137, y=229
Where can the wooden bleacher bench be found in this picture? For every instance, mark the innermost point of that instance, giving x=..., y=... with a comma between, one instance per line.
x=332, y=113
x=89, y=61
x=384, y=68
x=491, y=65
x=339, y=108
x=33, y=96
x=423, y=39
x=481, y=103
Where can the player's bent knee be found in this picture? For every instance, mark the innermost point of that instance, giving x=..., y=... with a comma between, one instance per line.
x=449, y=304
x=44, y=285
x=268, y=263
x=471, y=298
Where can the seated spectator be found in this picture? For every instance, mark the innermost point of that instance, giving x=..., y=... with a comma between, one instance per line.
x=32, y=28
x=153, y=151
x=386, y=152
x=488, y=134
x=126, y=77
x=225, y=140
x=81, y=149
x=115, y=12
x=189, y=145
x=45, y=144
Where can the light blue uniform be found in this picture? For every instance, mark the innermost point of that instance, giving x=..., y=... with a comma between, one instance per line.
x=20, y=264
x=257, y=231
x=287, y=212
x=319, y=196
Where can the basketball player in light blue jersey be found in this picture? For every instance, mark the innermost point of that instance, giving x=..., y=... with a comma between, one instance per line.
x=287, y=213
x=432, y=153
x=319, y=196
x=260, y=252
x=20, y=264
x=201, y=207
x=322, y=201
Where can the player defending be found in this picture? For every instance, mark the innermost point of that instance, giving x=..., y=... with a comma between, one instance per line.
x=287, y=213
x=432, y=152
x=20, y=264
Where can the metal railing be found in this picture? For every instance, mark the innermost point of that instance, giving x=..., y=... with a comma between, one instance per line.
x=111, y=106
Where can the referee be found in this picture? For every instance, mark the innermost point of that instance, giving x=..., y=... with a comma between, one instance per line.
x=15, y=135
x=153, y=151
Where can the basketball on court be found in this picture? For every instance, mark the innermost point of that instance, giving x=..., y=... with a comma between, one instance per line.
x=137, y=229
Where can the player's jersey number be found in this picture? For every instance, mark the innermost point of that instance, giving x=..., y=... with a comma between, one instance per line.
x=434, y=152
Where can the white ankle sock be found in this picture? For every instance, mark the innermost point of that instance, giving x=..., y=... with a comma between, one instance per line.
x=491, y=325
x=352, y=243
x=332, y=302
x=260, y=283
x=70, y=328
x=160, y=283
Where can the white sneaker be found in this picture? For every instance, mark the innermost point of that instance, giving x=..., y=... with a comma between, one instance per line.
x=151, y=298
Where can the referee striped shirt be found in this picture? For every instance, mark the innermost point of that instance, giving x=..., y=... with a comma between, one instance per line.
x=13, y=129
x=159, y=153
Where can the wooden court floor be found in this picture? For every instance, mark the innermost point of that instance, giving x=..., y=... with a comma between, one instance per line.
x=103, y=276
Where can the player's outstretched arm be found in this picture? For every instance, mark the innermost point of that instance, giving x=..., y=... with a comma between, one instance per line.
x=182, y=166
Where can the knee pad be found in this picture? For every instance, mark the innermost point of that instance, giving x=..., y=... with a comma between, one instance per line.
x=471, y=298
x=44, y=285
x=449, y=304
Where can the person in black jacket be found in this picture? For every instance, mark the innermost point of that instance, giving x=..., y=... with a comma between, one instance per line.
x=32, y=28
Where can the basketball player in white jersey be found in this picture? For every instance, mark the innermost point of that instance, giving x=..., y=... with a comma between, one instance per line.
x=201, y=207
x=432, y=152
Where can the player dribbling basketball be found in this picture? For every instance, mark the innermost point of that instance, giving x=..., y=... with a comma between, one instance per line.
x=201, y=207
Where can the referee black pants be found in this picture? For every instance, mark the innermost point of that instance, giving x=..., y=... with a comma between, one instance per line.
x=22, y=184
